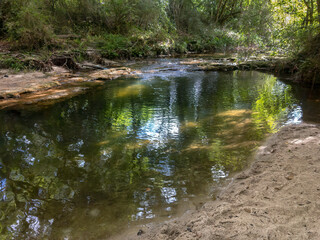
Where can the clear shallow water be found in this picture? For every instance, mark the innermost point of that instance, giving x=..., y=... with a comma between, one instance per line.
x=135, y=151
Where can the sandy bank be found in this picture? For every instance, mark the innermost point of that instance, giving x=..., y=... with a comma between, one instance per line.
x=278, y=197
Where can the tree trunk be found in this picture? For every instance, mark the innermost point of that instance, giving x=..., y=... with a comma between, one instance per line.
x=220, y=14
x=318, y=7
x=218, y=10
x=311, y=12
x=307, y=19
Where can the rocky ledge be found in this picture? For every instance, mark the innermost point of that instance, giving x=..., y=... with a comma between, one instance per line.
x=270, y=64
x=37, y=87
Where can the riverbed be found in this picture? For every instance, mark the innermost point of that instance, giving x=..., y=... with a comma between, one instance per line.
x=136, y=150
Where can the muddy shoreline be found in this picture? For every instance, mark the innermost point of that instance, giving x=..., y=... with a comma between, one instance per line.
x=276, y=198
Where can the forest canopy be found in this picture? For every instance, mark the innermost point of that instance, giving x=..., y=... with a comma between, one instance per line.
x=158, y=25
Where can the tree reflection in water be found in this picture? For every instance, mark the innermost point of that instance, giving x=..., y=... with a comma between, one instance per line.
x=87, y=167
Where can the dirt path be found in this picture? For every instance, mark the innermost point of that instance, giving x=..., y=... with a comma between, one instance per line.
x=278, y=197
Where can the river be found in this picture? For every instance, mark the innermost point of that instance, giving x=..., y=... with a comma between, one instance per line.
x=136, y=150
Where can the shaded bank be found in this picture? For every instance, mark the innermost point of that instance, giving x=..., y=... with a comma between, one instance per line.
x=307, y=63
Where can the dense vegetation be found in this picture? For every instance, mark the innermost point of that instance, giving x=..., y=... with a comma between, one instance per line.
x=140, y=28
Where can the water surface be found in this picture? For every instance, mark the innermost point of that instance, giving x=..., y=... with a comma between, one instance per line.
x=134, y=151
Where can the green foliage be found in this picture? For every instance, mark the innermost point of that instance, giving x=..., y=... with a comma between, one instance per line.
x=295, y=23
x=215, y=40
x=31, y=27
x=11, y=63
x=114, y=46
x=308, y=61
x=5, y=8
x=140, y=28
x=272, y=105
x=255, y=23
x=180, y=47
x=28, y=23
x=118, y=46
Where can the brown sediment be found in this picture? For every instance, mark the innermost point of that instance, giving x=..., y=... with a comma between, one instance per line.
x=276, y=198
x=37, y=87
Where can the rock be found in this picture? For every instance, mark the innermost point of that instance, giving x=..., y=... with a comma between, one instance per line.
x=290, y=176
x=113, y=73
x=47, y=88
x=12, y=95
x=91, y=66
x=242, y=176
x=231, y=64
x=64, y=61
x=94, y=56
x=108, y=63
x=140, y=232
x=220, y=67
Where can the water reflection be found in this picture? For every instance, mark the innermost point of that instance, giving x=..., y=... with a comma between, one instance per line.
x=135, y=150
x=274, y=104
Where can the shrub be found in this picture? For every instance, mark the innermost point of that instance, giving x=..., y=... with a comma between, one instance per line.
x=11, y=63
x=114, y=46
x=31, y=28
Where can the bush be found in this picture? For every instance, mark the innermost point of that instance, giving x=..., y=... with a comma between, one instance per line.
x=31, y=28
x=114, y=46
x=308, y=61
x=11, y=63
x=181, y=47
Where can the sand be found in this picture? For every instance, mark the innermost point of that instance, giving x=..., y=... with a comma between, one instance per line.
x=278, y=197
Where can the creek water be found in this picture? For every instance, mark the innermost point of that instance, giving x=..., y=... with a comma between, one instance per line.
x=135, y=150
